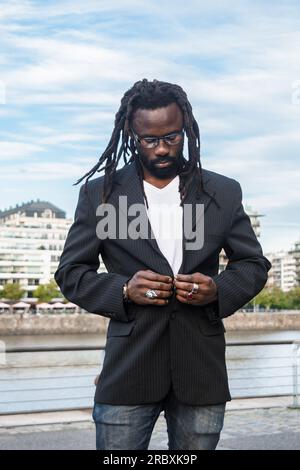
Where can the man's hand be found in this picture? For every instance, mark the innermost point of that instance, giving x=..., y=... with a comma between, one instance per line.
x=207, y=291
x=142, y=281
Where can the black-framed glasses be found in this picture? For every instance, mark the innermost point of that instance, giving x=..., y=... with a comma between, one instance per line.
x=150, y=142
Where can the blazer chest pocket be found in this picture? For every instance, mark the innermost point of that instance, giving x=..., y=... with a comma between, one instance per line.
x=119, y=328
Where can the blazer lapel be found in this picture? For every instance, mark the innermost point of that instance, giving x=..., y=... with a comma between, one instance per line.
x=127, y=183
x=188, y=255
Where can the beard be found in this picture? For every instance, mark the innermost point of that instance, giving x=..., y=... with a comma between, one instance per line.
x=176, y=163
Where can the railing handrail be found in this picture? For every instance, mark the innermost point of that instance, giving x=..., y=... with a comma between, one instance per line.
x=98, y=347
x=53, y=349
x=293, y=362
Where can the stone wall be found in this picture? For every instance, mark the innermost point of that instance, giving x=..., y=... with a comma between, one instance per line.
x=285, y=320
x=27, y=324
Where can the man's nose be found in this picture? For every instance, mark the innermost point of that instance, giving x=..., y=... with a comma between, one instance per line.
x=162, y=148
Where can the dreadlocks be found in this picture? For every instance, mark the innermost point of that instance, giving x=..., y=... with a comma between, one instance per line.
x=149, y=95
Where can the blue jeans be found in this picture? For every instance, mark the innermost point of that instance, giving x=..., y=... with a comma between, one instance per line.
x=129, y=427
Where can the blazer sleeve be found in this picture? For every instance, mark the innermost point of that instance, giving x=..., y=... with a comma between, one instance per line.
x=77, y=276
x=247, y=269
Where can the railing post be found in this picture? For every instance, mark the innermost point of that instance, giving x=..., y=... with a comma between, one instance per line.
x=296, y=345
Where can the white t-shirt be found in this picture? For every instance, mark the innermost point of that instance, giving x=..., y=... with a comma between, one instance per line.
x=165, y=216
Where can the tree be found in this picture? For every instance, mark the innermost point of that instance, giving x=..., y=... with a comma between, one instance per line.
x=263, y=299
x=293, y=297
x=275, y=298
x=46, y=292
x=13, y=291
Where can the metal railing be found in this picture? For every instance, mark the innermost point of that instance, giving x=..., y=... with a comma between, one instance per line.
x=296, y=349
x=34, y=377
x=292, y=359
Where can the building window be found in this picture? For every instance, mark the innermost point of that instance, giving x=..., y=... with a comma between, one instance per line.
x=47, y=213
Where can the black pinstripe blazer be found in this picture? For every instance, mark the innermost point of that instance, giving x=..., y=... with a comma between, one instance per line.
x=148, y=348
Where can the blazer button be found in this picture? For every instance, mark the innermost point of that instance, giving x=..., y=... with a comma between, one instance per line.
x=173, y=315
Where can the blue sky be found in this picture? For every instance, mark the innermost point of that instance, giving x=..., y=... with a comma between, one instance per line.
x=64, y=66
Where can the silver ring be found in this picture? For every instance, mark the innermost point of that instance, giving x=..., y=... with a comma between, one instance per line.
x=151, y=294
x=195, y=288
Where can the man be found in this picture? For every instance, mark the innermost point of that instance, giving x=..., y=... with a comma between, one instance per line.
x=165, y=348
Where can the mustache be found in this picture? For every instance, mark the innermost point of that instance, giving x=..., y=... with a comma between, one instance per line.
x=164, y=160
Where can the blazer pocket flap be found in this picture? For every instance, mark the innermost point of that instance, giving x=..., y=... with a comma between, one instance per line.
x=211, y=328
x=119, y=328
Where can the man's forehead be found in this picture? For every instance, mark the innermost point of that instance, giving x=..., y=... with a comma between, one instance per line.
x=170, y=115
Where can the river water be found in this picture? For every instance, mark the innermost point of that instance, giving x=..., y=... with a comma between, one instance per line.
x=50, y=380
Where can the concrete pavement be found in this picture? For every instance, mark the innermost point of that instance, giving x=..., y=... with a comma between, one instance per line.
x=250, y=424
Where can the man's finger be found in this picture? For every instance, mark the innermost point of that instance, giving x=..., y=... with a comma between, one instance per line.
x=167, y=286
x=152, y=276
x=186, y=286
x=195, y=277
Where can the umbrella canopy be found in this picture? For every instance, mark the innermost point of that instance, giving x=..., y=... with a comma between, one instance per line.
x=3, y=305
x=58, y=305
x=70, y=305
x=21, y=305
x=44, y=305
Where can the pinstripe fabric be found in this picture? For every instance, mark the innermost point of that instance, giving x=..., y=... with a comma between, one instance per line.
x=148, y=348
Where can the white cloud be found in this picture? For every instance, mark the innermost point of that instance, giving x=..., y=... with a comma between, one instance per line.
x=22, y=9
x=279, y=238
x=257, y=61
x=18, y=150
x=76, y=65
x=19, y=9
x=16, y=9
x=44, y=171
x=237, y=62
x=49, y=99
x=56, y=139
x=93, y=117
x=264, y=166
x=7, y=112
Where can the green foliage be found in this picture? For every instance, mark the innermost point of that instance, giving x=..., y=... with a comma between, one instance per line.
x=47, y=292
x=275, y=298
x=13, y=291
x=294, y=298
